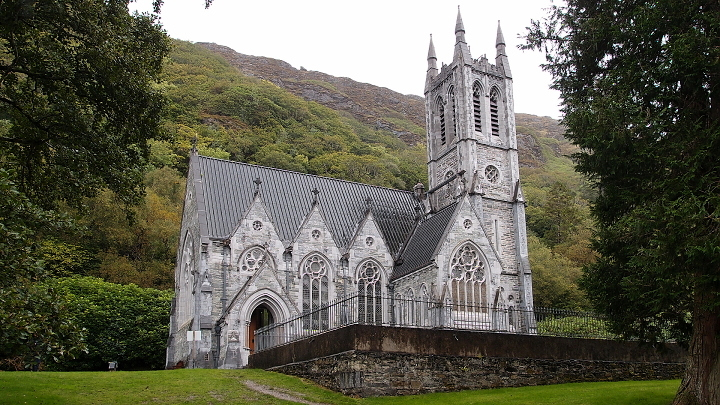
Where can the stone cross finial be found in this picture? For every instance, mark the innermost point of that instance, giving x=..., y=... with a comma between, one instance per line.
x=257, y=182
x=315, y=192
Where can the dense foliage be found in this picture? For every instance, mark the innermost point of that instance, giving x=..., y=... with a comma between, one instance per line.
x=77, y=96
x=78, y=104
x=35, y=325
x=122, y=323
x=641, y=93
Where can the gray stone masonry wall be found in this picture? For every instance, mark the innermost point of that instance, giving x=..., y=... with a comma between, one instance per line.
x=369, y=360
x=366, y=374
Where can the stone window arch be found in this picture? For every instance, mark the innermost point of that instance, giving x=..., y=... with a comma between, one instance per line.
x=495, y=111
x=478, y=97
x=441, y=115
x=369, y=282
x=468, y=274
x=315, y=274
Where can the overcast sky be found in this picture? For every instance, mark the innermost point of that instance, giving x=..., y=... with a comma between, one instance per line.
x=381, y=42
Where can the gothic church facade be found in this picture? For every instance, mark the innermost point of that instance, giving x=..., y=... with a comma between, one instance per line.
x=260, y=245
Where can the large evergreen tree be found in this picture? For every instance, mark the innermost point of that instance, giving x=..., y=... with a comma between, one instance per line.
x=640, y=84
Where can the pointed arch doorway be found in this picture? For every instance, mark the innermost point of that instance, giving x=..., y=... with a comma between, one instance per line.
x=261, y=317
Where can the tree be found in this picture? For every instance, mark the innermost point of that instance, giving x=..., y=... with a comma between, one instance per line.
x=640, y=84
x=76, y=88
x=78, y=104
x=558, y=216
x=35, y=322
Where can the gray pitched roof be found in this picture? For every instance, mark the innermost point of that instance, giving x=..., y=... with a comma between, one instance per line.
x=423, y=242
x=228, y=191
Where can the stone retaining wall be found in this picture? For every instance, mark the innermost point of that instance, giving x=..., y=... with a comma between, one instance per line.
x=373, y=360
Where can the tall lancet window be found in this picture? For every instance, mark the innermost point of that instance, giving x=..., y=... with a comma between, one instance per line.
x=453, y=110
x=315, y=292
x=467, y=275
x=441, y=113
x=477, y=107
x=494, y=113
x=369, y=293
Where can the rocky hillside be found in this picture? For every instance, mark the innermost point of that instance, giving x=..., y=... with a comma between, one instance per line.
x=403, y=115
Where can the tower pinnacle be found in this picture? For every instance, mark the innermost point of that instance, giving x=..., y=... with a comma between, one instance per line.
x=500, y=41
x=432, y=70
x=459, y=28
x=501, y=59
x=462, y=52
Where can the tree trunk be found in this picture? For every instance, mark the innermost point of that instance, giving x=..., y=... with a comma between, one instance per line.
x=701, y=384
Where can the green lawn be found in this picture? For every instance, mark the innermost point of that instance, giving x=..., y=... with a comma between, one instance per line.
x=229, y=387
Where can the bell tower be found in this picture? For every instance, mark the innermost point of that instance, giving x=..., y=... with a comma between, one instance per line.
x=471, y=141
x=472, y=145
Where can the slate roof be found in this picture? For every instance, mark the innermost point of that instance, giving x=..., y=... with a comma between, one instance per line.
x=423, y=242
x=228, y=190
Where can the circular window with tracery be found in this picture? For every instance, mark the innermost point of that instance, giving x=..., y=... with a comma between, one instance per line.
x=257, y=225
x=467, y=223
x=315, y=233
x=492, y=174
x=369, y=241
x=315, y=267
x=253, y=259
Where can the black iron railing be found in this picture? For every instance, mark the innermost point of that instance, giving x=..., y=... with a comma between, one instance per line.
x=419, y=313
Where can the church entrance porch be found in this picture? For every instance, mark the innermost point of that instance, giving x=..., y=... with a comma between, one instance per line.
x=261, y=317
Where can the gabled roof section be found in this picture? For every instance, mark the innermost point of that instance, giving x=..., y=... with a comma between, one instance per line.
x=228, y=190
x=423, y=242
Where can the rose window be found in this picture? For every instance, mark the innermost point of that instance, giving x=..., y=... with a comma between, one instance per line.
x=253, y=259
x=492, y=174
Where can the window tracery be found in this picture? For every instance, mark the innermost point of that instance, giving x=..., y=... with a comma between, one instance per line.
x=253, y=259
x=492, y=174
x=467, y=274
x=315, y=292
x=369, y=293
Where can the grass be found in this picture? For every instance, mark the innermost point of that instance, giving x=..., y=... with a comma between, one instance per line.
x=227, y=387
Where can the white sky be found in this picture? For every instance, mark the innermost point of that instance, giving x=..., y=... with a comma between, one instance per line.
x=381, y=42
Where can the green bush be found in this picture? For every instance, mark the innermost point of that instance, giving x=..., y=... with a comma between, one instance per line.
x=123, y=323
x=574, y=326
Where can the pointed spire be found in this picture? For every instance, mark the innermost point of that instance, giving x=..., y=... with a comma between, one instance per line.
x=500, y=41
x=459, y=28
x=432, y=59
x=462, y=52
x=501, y=59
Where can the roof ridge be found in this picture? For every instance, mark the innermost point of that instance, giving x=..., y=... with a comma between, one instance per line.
x=305, y=174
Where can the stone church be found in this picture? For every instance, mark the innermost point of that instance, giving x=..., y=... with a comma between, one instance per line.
x=262, y=246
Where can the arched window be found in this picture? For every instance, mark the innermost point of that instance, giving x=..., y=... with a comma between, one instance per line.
x=494, y=112
x=453, y=110
x=441, y=113
x=477, y=107
x=369, y=293
x=315, y=294
x=467, y=275
x=252, y=259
